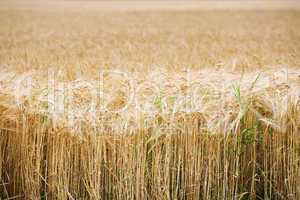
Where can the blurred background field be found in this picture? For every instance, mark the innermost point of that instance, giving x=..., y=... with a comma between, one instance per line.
x=68, y=34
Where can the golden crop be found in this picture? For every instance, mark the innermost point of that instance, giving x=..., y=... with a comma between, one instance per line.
x=128, y=100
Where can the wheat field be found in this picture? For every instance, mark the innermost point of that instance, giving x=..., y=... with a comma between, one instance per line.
x=150, y=100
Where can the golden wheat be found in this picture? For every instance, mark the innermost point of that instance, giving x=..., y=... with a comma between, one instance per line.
x=199, y=103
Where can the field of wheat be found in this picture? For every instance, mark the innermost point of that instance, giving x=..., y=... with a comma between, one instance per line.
x=154, y=100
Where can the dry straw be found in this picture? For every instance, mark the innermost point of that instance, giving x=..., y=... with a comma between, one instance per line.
x=224, y=132
x=246, y=148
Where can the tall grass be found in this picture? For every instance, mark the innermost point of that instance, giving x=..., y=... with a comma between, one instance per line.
x=246, y=147
x=253, y=161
